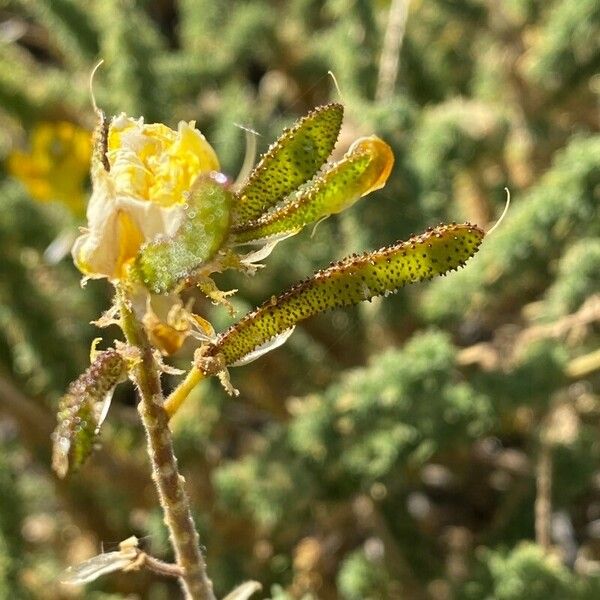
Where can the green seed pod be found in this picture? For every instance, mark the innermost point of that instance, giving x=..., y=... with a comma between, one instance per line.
x=365, y=168
x=167, y=261
x=82, y=409
x=292, y=160
x=350, y=281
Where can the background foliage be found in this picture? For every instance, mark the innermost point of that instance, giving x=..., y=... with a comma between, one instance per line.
x=408, y=448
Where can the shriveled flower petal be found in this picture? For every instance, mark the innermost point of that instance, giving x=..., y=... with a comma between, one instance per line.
x=169, y=333
x=102, y=564
x=156, y=163
x=118, y=226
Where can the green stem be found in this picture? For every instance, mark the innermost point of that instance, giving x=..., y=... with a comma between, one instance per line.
x=169, y=484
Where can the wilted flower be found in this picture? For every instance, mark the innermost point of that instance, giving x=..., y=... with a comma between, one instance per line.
x=142, y=196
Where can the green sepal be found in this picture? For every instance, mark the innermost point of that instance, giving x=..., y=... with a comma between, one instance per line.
x=82, y=409
x=350, y=281
x=293, y=159
x=165, y=262
x=364, y=168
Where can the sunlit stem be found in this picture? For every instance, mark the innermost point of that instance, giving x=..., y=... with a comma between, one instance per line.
x=183, y=390
x=169, y=483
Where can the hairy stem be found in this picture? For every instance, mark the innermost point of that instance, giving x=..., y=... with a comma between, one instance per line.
x=158, y=566
x=169, y=483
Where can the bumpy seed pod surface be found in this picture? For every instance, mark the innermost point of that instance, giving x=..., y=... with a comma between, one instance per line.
x=80, y=411
x=292, y=160
x=164, y=262
x=350, y=281
x=365, y=168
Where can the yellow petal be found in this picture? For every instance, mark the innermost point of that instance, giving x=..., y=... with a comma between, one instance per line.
x=167, y=338
x=383, y=160
x=129, y=239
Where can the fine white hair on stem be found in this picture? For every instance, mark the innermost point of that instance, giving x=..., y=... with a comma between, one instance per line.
x=494, y=227
x=249, y=157
x=92, y=96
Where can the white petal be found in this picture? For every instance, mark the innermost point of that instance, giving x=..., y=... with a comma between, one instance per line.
x=152, y=219
x=103, y=410
x=98, y=249
x=273, y=343
x=59, y=247
x=266, y=247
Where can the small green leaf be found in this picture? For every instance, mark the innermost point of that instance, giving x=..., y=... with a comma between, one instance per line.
x=365, y=168
x=351, y=281
x=82, y=410
x=165, y=262
x=290, y=161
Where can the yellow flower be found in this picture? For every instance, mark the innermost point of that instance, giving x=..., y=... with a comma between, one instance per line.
x=56, y=167
x=142, y=196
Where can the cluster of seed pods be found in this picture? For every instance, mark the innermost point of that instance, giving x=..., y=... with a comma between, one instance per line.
x=288, y=189
x=291, y=187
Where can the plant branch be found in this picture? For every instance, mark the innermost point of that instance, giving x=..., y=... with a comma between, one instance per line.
x=169, y=483
x=155, y=565
x=492, y=355
x=543, y=498
x=390, y=54
x=161, y=567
